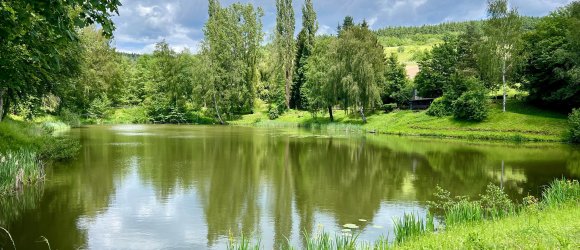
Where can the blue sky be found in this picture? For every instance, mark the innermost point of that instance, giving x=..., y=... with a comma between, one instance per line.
x=142, y=23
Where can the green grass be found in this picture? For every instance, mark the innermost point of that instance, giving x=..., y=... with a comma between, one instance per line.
x=520, y=123
x=17, y=169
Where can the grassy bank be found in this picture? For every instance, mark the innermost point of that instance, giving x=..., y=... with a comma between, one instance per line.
x=551, y=223
x=519, y=123
x=26, y=147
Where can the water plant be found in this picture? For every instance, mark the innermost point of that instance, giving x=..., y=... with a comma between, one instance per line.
x=17, y=169
x=409, y=226
x=561, y=191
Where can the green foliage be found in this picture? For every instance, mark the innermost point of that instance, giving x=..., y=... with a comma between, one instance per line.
x=561, y=191
x=463, y=211
x=39, y=45
x=232, y=77
x=397, y=87
x=440, y=107
x=304, y=48
x=437, y=69
x=553, y=67
x=471, y=106
x=284, y=42
x=59, y=148
x=574, y=121
x=273, y=112
x=70, y=118
x=496, y=203
x=408, y=227
x=18, y=168
x=99, y=108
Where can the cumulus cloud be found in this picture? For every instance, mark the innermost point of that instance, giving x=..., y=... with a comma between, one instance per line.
x=142, y=23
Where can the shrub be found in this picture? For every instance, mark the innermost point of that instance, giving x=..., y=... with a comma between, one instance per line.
x=390, y=107
x=273, y=112
x=99, y=108
x=574, y=120
x=440, y=107
x=471, y=106
x=70, y=118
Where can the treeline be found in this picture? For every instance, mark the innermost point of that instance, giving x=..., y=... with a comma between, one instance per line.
x=347, y=71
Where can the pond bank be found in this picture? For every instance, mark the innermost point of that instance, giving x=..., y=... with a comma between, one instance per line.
x=27, y=147
x=520, y=123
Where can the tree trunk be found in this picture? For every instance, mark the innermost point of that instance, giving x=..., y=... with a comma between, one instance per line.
x=362, y=114
x=330, y=112
x=2, y=104
x=288, y=82
x=217, y=111
x=504, y=84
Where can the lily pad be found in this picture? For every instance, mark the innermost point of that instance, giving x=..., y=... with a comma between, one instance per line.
x=346, y=230
x=351, y=226
x=362, y=220
x=377, y=226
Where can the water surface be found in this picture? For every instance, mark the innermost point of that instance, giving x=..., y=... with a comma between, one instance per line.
x=191, y=187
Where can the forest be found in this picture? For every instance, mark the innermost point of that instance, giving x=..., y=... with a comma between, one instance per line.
x=72, y=71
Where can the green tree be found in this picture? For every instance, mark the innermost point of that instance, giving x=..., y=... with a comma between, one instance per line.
x=285, y=42
x=502, y=45
x=553, y=67
x=359, y=68
x=304, y=45
x=320, y=90
x=397, y=87
x=38, y=42
x=231, y=46
x=437, y=69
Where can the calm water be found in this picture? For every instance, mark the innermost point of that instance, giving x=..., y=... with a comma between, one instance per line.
x=172, y=187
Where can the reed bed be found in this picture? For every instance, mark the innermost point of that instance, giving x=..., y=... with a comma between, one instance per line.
x=19, y=168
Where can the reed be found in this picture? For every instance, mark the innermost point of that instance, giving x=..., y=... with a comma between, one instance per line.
x=409, y=226
x=463, y=212
x=561, y=191
x=17, y=169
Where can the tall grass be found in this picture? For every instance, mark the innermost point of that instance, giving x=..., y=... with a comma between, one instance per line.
x=411, y=225
x=463, y=212
x=17, y=169
x=561, y=191
x=244, y=242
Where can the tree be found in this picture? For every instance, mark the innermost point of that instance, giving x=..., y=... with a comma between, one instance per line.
x=553, y=68
x=38, y=41
x=396, y=87
x=304, y=45
x=502, y=45
x=437, y=69
x=320, y=90
x=285, y=42
x=231, y=46
x=359, y=68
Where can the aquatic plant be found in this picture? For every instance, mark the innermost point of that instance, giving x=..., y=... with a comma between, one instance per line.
x=18, y=169
x=561, y=191
x=410, y=225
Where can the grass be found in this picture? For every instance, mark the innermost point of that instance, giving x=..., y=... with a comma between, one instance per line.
x=26, y=146
x=17, y=169
x=520, y=123
x=411, y=225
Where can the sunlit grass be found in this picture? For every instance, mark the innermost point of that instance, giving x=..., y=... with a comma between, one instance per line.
x=17, y=169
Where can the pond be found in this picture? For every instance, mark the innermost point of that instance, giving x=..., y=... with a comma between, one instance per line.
x=191, y=187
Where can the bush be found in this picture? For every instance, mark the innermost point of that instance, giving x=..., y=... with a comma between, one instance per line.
x=574, y=120
x=70, y=118
x=471, y=106
x=99, y=108
x=273, y=112
x=440, y=107
x=390, y=107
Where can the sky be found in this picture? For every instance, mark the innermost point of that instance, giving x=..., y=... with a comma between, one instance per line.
x=142, y=23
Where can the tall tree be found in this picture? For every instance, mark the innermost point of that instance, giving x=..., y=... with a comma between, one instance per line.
x=437, y=69
x=305, y=46
x=231, y=46
x=553, y=68
x=320, y=90
x=396, y=88
x=360, y=67
x=285, y=25
x=37, y=39
x=502, y=45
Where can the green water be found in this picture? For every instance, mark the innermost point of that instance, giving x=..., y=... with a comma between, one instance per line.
x=190, y=187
